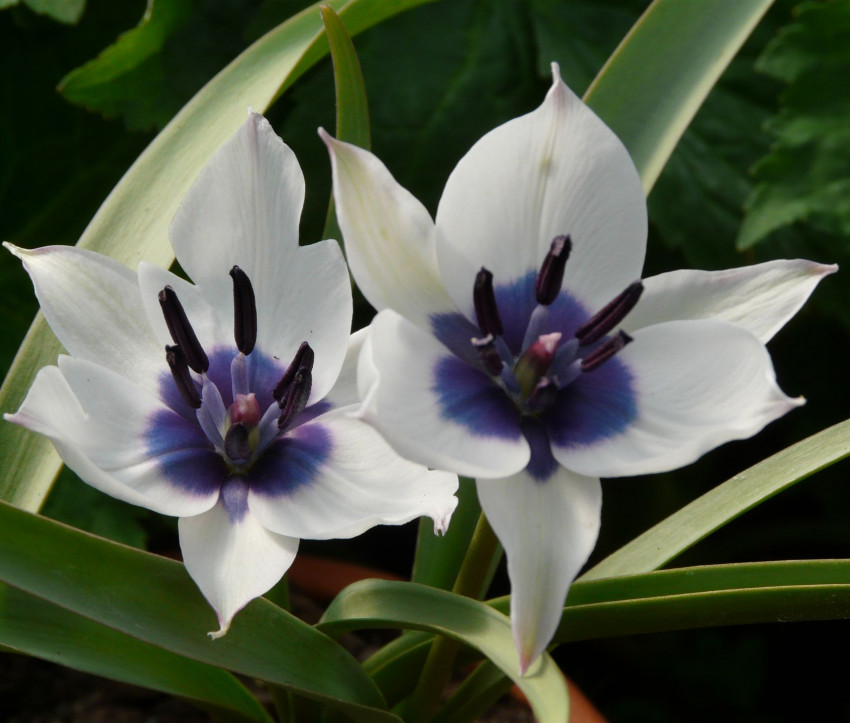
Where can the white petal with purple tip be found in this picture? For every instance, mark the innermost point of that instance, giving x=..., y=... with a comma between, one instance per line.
x=233, y=559
x=760, y=298
x=360, y=483
x=697, y=385
x=93, y=305
x=557, y=171
x=389, y=236
x=433, y=408
x=548, y=530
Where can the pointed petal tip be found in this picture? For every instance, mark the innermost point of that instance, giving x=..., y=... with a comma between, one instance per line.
x=224, y=626
x=556, y=73
x=327, y=138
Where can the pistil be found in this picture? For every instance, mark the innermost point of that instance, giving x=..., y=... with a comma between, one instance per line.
x=237, y=445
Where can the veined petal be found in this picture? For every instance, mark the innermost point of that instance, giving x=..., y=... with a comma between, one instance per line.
x=434, y=408
x=389, y=236
x=697, y=385
x=52, y=409
x=548, y=529
x=761, y=298
x=558, y=170
x=230, y=556
x=361, y=482
x=93, y=305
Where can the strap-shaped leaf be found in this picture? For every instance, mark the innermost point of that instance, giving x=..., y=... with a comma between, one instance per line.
x=153, y=599
x=382, y=604
x=656, y=80
x=672, y=536
x=132, y=224
x=36, y=627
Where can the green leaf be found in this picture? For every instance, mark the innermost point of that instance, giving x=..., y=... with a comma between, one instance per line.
x=153, y=599
x=132, y=224
x=381, y=604
x=672, y=536
x=804, y=176
x=481, y=689
x=114, y=82
x=36, y=627
x=352, y=105
x=65, y=11
x=656, y=80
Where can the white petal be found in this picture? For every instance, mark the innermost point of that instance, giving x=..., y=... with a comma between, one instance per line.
x=548, y=530
x=361, y=483
x=244, y=210
x=389, y=236
x=232, y=561
x=558, y=170
x=344, y=391
x=405, y=398
x=94, y=446
x=697, y=385
x=93, y=305
x=760, y=298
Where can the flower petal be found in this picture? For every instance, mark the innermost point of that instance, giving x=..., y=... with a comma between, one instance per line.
x=548, y=529
x=761, y=298
x=558, y=170
x=93, y=305
x=361, y=482
x=344, y=391
x=389, y=236
x=101, y=437
x=696, y=384
x=230, y=556
x=434, y=408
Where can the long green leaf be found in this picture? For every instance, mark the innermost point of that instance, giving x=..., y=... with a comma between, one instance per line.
x=36, y=627
x=656, y=80
x=352, y=105
x=132, y=224
x=381, y=604
x=672, y=536
x=153, y=599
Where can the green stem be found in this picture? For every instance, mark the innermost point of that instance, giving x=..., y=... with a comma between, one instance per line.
x=472, y=581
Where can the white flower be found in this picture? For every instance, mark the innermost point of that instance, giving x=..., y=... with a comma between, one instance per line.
x=226, y=402
x=504, y=347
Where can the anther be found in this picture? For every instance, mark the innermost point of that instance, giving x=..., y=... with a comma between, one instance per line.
x=604, y=351
x=296, y=397
x=180, y=371
x=245, y=311
x=237, y=446
x=601, y=323
x=488, y=354
x=304, y=358
x=484, y=300
x=181, y=330
x=551, y=274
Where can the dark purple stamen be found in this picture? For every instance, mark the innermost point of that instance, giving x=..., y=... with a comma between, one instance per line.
x=180, y=371
x=237, y=447
x=488, y=354
x=304, y=358
x=181, y=331
x=604, y=351
x=296, y=397
x=601, y=323
x=484, y=299
x=551, y=274
x=245, y=308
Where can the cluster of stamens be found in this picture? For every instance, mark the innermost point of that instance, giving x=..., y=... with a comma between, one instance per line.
x=546, y=364
x=240, y=432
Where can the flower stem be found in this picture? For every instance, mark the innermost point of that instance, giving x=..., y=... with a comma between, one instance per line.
x=473, y=579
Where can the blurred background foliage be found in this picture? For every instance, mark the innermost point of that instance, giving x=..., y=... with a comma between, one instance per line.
x=763, y=172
